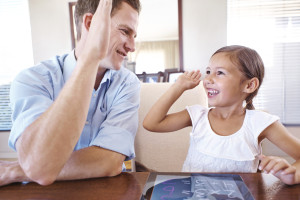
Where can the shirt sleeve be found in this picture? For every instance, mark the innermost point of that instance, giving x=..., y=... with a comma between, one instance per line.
x=260, y=120
x=29, y=98
x=196, y=113
x=117, y=132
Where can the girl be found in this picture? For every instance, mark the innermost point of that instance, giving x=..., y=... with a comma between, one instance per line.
x=226, y=137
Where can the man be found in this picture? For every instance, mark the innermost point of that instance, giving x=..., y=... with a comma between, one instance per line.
x=75, y=116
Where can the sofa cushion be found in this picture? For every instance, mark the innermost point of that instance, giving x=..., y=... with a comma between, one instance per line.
x=164, y=152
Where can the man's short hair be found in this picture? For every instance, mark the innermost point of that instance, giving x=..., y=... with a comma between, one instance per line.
x=90, y=6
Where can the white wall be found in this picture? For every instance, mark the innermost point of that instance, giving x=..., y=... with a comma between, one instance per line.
x=204, y=31
x=50, y=28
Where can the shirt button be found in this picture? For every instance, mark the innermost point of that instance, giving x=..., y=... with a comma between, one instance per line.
x=87, y=122
x=94, y=95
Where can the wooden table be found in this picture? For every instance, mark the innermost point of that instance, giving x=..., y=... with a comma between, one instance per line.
x=129, y=186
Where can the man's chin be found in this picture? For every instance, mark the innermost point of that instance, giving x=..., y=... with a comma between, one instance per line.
x=110, y=66
x=113, y=67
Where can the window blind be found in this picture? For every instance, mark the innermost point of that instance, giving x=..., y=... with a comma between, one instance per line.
x=5, y=112
x=272, y=28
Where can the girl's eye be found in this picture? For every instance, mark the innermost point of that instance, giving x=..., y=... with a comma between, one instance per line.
x=220, y=73
x=207, y=72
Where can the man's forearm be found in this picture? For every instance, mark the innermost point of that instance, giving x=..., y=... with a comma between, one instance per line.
x=47, y=143
x=92, y=162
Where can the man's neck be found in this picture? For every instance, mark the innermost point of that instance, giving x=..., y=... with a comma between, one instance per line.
x=99, y=77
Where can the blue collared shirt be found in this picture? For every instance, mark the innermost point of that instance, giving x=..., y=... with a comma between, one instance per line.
x=112, y=118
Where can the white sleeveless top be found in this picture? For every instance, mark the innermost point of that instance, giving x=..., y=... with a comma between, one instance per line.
x=209, y=152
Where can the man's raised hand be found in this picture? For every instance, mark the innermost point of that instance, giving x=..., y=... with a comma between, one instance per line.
x=99, y=31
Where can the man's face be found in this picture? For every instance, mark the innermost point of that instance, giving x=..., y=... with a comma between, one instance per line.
x=123, y=32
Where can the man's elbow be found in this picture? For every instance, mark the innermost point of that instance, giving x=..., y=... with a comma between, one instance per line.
x=38, y=174
x=42, y=179
x=45, y=181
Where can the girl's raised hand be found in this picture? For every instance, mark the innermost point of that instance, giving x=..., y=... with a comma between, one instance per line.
x=279, y=167
x=189, y=80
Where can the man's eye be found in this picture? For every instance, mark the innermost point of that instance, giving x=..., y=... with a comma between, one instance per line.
x=124, y=31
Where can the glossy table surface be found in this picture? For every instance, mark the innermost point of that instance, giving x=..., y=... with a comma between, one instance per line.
x=130, y=186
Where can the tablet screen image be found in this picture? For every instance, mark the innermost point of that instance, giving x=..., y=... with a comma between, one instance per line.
x=195, y=186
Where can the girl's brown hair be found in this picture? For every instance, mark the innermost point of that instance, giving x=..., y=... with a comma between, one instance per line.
x=249, y=63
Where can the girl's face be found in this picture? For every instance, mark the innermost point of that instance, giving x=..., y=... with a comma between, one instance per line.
x=224, y=82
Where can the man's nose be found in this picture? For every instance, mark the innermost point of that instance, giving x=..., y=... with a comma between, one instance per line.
x=130, y=45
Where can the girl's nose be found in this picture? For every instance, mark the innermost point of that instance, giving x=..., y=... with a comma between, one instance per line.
x=208, y=79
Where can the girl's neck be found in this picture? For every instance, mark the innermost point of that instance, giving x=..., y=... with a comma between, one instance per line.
x=226, y=122
x=228, y=112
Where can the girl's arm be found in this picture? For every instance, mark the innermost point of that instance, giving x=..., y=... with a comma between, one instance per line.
x=157, y=119
x=279, y=135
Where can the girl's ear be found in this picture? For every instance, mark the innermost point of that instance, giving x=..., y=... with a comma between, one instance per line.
x=251, y=85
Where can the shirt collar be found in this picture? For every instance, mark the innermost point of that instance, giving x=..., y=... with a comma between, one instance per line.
x=70, y=64
x=107, y=76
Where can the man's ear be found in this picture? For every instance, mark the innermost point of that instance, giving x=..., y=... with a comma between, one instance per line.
x=86, y=21
x=251, y=85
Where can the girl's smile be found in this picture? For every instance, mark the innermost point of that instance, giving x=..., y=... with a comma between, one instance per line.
x=212, y=93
